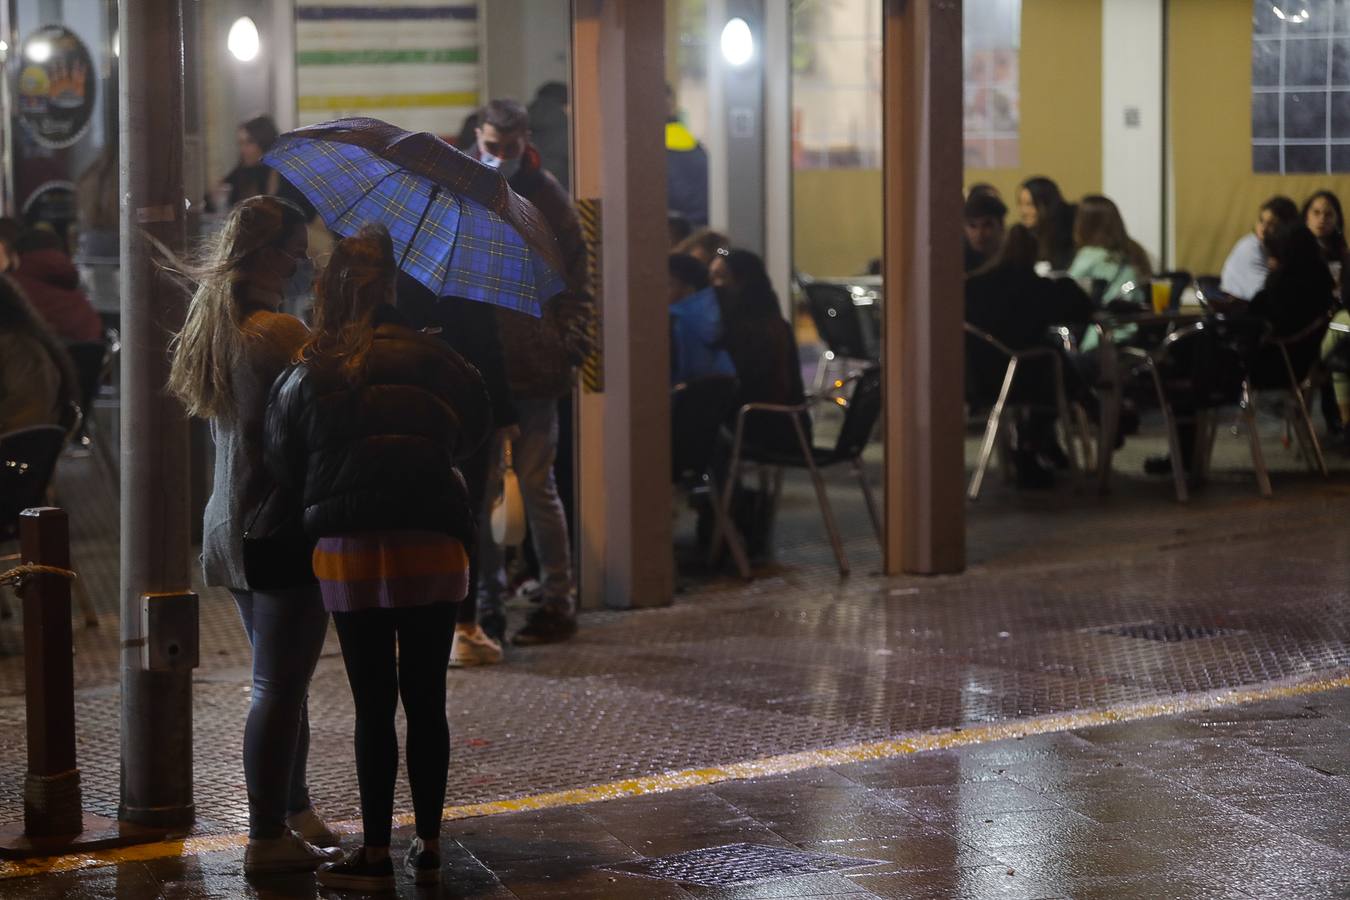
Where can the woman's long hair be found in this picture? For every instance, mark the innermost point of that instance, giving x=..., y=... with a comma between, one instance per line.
x=212, y=340
x=1299, y=263
x=1333, y=246
x=17, y=316
x=359, y=277
x=752, y=296
x=1019, y=250
x=1099, y=224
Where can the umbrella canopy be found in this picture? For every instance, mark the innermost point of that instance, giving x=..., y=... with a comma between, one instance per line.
x=456, y=225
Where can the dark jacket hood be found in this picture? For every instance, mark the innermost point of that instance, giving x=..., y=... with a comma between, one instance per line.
x=50, y=267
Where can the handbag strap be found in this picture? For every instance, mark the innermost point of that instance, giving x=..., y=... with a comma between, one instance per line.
x=257, y=510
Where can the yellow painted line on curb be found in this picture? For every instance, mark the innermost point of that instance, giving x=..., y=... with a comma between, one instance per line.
x=783, y=764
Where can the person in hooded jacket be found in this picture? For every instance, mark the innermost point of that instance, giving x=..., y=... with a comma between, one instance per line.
x=52, y=284
x=541, y=357
x=366, y=428
x=37, y=378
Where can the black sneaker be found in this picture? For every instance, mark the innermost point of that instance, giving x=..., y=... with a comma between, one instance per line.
x=1158, y=465
x=550, y=624
x=422, y=865
x=356, y=873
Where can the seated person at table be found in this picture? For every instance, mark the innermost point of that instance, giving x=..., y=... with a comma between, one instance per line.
x=1245, y=270
x=1009, y=301
x=51, y=283
x=696, y=349
x=703, y=245
x=1322, y=214
x=1298, y=292
x=762, y=348
x=1042, y=208
x=985, y=188
x=1105, y=251
x=37, y=378
x=984, y=229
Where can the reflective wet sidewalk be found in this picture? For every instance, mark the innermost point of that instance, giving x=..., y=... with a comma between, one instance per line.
x=1073, y=602
x=1236, y=801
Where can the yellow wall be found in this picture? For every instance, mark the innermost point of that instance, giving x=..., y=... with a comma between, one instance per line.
x=837, y=213
x=1217, y=194
x=1061, y=68
x=836, y=220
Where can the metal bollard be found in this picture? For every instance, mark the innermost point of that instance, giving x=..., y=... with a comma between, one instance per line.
x=51, y=794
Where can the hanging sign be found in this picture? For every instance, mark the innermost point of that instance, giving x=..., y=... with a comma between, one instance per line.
x=56, y=87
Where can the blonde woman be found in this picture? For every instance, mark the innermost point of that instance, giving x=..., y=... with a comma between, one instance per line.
x=367, y=427
x=233, y=346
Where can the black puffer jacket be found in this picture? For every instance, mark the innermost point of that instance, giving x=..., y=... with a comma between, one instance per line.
x=380, y=455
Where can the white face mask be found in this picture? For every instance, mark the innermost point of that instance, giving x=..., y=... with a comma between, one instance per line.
x=508, y=167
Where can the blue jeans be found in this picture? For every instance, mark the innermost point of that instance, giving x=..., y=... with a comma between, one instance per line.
x=532, y=457
x=286, y=630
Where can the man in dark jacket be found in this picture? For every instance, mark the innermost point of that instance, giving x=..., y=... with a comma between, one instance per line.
x=541, y=355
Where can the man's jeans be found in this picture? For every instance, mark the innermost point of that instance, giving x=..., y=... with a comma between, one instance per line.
x=532, y=457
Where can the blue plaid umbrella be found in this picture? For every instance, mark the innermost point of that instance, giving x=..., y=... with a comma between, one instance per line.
x=457, y=227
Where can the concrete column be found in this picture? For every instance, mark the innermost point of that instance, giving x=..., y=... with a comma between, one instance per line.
x=7, y=200
x=1134, y=159
x=158, y=609
x=922, y=339
x=778, y=150
x=625, y=493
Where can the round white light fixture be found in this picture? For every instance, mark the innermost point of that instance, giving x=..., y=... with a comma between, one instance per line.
x=738, y=44
x=38, y=51
x=243, y=40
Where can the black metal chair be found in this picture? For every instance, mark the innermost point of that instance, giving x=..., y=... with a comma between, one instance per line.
x=94, y=362
x=697, y=410
x=1197, y=370
x=28, y=459
x=1300, y=386
x=847, y=333
x=860, y=418
x=1071, y=417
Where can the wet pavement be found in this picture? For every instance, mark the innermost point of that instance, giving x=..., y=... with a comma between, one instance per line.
x=1230, y=801
x=1073, y=602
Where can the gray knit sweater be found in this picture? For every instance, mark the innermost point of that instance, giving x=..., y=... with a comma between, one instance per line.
x=241, y=481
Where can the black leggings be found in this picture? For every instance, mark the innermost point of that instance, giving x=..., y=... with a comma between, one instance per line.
x=378, y=678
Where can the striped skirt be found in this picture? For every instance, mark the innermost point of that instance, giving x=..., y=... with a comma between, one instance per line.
x=390, y=570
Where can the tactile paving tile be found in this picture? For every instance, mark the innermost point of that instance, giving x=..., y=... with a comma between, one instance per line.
x=735, y=864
